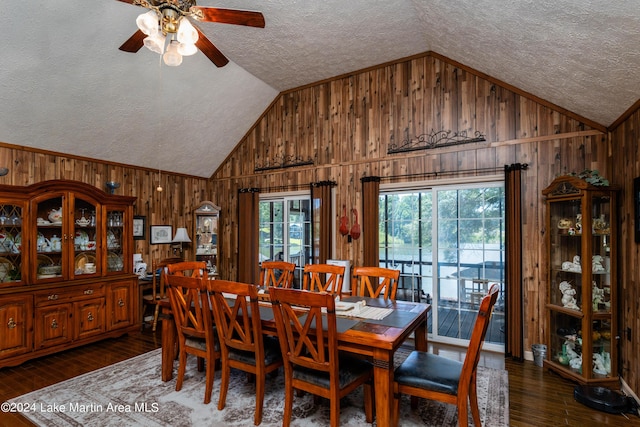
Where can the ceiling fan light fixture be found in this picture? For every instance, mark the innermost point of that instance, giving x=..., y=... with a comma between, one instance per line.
x=187, y=34
x=155, y=43
x=171, y=57
x=148, y=23
x=187, y=49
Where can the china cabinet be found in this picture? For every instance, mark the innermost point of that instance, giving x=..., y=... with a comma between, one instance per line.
x=581, y=297
x=65, y=268
x=205, y=228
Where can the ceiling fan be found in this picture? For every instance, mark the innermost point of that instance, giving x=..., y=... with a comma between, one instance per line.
x=171, y=14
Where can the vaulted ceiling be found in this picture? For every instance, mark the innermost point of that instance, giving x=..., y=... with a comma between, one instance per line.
x=65, y=86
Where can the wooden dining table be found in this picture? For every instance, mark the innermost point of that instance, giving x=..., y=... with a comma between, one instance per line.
x=377, y=339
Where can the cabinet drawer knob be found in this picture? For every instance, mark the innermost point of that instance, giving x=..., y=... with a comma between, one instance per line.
x=90, y=317
x=11, y=324
x=88, y=291
x=54, y=324
x=120, y=303
x=52, y=297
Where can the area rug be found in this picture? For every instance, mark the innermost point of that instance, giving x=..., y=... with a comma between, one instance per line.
x=130, y=393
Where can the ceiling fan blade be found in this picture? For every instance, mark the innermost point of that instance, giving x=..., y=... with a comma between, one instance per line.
x=135, y=42
x=212, y=52
x=230, y=16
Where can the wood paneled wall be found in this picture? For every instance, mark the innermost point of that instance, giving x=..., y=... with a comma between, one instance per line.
x=347, y=124
x=625, y=146
x=172, y=206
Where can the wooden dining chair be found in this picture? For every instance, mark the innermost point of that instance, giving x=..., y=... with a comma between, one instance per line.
x=278, y=274
x=323, y=278
x=188, y=268
x=375, y=282
x=435, y=377
x=194, y=323
x=242, y=344
x=309, y=346
x=158, y=290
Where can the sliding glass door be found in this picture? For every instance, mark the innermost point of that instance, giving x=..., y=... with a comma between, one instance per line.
x=448, y=243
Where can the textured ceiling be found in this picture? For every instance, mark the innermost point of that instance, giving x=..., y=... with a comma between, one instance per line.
x=65, y=86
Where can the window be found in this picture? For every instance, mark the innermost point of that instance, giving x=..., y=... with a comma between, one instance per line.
x=448, y=243
x=285, y=230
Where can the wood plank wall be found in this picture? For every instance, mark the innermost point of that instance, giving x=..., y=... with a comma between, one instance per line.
x=347, y=124
x=172, y=206
x=625, y=146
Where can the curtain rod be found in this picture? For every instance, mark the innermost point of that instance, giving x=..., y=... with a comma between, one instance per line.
x=456, y=172
x=291, y=187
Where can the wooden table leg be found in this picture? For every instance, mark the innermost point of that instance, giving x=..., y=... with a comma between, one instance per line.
x=420, y=336
x=383, y=386
x=168, y=343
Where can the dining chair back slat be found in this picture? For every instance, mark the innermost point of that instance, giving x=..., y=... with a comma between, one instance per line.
x=375, y=282
x=323, y=278
x=188, y=268
x=278, y=274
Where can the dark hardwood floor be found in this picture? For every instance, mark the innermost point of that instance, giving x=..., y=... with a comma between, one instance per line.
x=536, y=397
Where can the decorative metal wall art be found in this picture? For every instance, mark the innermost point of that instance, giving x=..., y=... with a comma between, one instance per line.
x=435, y=139
x=286, y=161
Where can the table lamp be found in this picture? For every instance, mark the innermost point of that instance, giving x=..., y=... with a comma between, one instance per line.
x=180, y=237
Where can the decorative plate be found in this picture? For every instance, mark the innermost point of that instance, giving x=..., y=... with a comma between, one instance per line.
x=5, y=268
x=44, y=261
x=81, y=237
x=6, y=242
x=17, y=243
x=114, y=262
x=82, y=259
x=112, y=242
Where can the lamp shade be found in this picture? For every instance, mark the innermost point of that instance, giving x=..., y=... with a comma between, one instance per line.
x=148, y=23
x=186, y=49
x=171, y=57
x=186, y=32
x=181, y=236
x=155, y=43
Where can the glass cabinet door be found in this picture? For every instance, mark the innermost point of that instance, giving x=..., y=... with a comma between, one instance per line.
x=566, y=252
x=86, y=238
x=115, y=240
x=10, y=243
x=47, y=244
x=206, y=231
x=582, y=282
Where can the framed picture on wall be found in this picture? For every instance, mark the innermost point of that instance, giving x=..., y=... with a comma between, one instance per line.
x=138, y=227
x=160, y=234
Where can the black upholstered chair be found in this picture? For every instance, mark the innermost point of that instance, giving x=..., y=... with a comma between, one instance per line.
x=434, y=377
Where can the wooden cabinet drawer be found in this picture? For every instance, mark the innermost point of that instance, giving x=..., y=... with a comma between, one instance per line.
x=72, y=293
